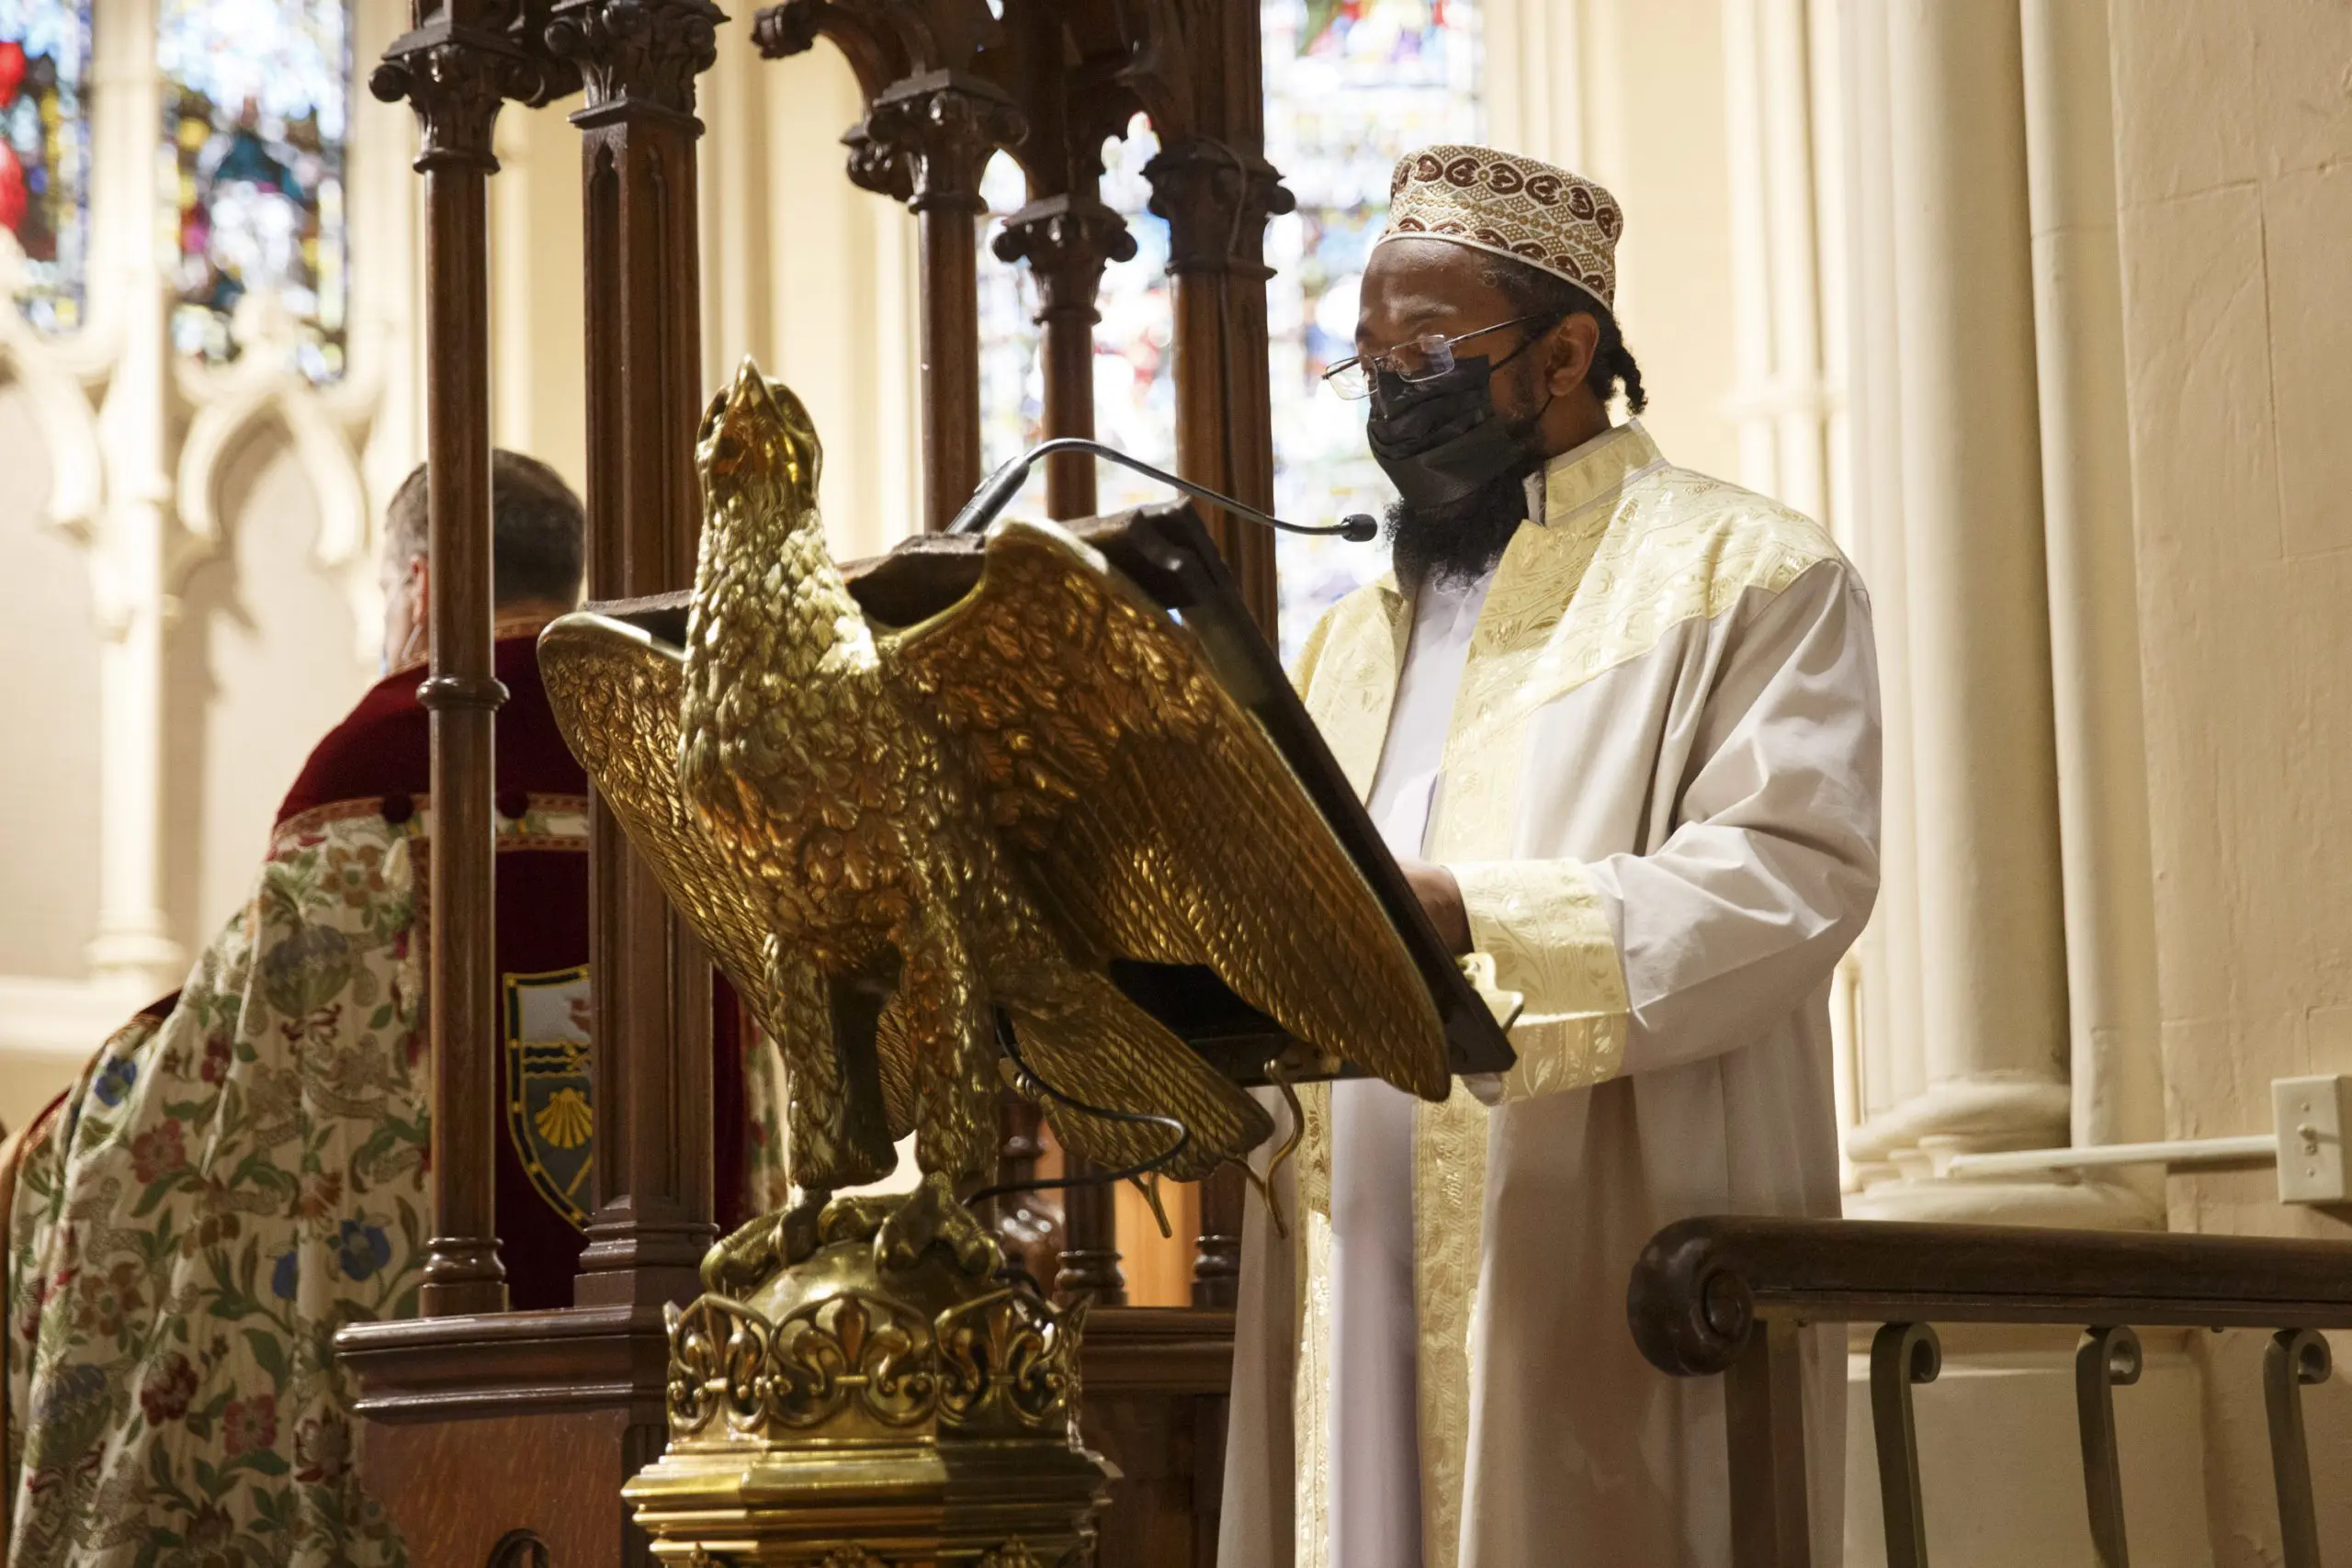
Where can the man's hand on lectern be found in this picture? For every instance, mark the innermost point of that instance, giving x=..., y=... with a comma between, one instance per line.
x=1441, y=896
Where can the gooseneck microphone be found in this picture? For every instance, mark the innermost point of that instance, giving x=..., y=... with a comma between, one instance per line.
x=997, y=494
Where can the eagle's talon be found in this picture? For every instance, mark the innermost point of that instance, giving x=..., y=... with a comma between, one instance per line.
x=931, y=1216
x=755, y=1252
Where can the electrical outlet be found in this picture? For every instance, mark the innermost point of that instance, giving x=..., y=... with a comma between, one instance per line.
x=2311, y=1117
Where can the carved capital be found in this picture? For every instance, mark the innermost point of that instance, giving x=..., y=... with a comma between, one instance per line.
x=1216, y=201
x=1013, y=1554
x=637, y=54
x=455, y=89
x=456, y=70
x=927, y=139
x=779, y=33
x=877, y=166
x=1067, y=241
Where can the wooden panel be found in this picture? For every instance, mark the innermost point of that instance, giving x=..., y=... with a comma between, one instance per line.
x=472, y=1427
x=458, y=1488
x=1151, y=1523
x=1156, y=1385
x=652, y=1003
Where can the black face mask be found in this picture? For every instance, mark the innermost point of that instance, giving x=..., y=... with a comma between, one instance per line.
x=1441, y=441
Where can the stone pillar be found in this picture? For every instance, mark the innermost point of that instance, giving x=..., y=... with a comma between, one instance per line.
x=1781, y=399
x=1993, y=1000
x=2118, y=1070
x=1892, y=1067
x=132, y=951
x=136, y=534
x=736, y=213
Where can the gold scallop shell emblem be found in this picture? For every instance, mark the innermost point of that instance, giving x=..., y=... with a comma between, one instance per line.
x=566, y=1121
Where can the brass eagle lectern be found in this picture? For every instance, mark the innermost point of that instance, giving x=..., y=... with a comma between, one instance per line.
x=992, y=839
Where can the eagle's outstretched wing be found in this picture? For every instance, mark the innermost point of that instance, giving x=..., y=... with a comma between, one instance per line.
x=1159, y=821
x=616, y=693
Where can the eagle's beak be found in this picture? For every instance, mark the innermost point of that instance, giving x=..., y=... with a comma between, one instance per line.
x=735, y=430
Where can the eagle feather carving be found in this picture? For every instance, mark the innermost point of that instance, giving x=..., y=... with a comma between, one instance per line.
x=886, y=835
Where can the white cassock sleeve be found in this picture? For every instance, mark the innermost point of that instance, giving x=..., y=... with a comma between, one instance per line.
x=1635, y=961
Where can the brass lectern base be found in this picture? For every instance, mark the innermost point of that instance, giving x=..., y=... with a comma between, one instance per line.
x=1020, y=1503
x=847, y=1415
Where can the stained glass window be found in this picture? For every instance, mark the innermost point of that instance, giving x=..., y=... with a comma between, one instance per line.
x=45, y=153
x=1351, y=85
x=1134, y=380
x=1135, y=394
x=256, y=110
x=1012, y=375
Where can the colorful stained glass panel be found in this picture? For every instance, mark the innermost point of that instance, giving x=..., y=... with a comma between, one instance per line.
x=1135, y=394
x=1012, y=375
x=1351, y=85
x=45, y=155
x=256, y=98
x=1134, y=380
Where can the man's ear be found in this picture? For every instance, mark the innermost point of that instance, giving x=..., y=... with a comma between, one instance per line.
x=1569, y=355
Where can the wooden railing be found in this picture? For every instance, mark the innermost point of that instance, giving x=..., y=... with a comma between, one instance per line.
x=1726, y=1297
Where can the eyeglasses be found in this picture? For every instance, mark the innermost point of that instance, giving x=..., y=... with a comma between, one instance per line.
x=1422, y=359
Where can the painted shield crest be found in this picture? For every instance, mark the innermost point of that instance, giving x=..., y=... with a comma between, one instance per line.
x=550, y=1102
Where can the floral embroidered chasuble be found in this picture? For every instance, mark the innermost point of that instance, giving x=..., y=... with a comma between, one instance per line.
x=1659, y=795
x=241, y=1171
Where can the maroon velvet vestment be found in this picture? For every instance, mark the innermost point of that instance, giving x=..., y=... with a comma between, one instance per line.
x=382, y=752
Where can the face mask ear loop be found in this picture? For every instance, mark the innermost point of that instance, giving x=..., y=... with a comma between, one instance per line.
x=1531, y=339
x=1526, y=429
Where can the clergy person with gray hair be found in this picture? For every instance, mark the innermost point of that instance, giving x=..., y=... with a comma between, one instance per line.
x=1620, y=721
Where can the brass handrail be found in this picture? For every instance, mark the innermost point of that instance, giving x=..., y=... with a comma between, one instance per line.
x=1726, y=1296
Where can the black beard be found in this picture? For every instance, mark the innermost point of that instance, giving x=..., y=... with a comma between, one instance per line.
x=1458, y=541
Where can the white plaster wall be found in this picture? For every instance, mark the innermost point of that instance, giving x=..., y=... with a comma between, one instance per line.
x=1630, y=92
x=2233, y=165
x=49, y=761
x=539, y=369
x=262, y=665
x=2234, y=173
x=2001, y=1470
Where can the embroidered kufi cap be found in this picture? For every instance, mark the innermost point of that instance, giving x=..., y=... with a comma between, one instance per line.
x=1511, y=205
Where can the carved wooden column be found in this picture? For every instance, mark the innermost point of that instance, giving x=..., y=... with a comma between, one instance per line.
x=453, y=79
x=1216, y=197
x=638, y=60
x=1027, y=1224
x=1090, y=1241
x=932, y=124
x=1217, y=1264
x=1066, y=241
x=1198, y=71
x=926, y=141
x=1217, y=200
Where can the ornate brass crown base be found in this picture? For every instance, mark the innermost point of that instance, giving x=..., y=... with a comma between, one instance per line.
x=847, y=1415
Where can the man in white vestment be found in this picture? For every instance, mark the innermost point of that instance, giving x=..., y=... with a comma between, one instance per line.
x=1620, y=721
